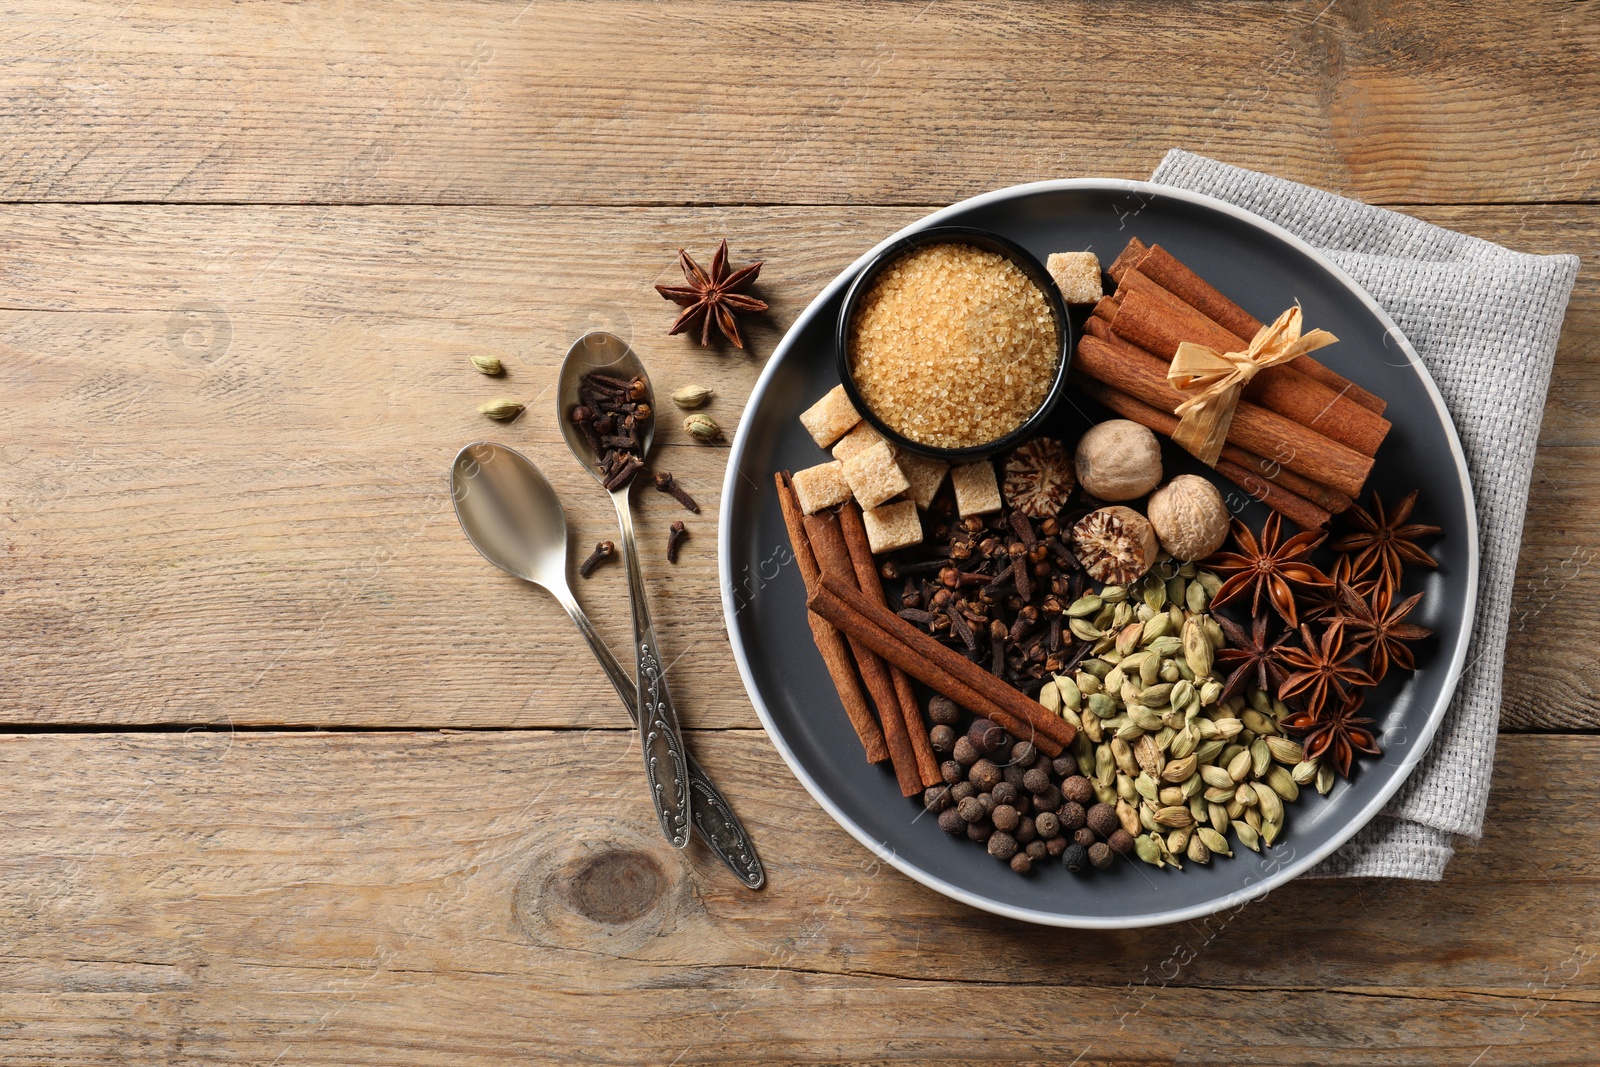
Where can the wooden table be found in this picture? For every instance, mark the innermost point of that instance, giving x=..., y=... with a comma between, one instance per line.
x=292, y=776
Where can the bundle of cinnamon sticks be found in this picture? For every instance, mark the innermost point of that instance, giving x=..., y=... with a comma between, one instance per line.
x=864, y=643
x=1303, y=437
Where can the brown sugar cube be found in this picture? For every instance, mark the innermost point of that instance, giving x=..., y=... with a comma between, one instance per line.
x=925, y=474
x=829, y=418
x=1077, y=275
x=977, y=490
x=874, y=476
x=820, y=487
x=892, y=526
x=857, y=440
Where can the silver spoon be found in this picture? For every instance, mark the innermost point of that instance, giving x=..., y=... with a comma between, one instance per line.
x=664, y=764
x=512, y=515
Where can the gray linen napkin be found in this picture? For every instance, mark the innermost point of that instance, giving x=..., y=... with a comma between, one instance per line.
x=1485, y=321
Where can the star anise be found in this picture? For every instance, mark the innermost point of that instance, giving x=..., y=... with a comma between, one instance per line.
x=1382, y=627
x=1268, y=565
x=1323, y=670
x=1322, y=601
x=1338, y=731
x=1253, y=656
x=1386, y=539
x=714, y=297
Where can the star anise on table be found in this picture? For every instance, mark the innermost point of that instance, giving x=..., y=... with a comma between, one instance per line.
x=1386, y=539
x=1268, y=566
x=1324, y=671
x=712, y=298
x=1338, y=731
x=1253, y=656
x=1381, y=624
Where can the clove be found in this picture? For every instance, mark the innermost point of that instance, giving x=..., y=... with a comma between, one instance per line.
x=676, y=536
x=666, y=484
x=602, y=551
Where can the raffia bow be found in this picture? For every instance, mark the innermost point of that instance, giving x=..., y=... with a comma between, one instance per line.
x=1215, y=380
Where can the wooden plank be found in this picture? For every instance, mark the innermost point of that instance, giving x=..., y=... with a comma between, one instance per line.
x=255, y=529
x=434, y=101
x=476, y=898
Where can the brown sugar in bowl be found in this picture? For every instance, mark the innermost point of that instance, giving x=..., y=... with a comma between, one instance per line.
x=954, y=342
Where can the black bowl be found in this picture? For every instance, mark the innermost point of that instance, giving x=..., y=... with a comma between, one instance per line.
x=989, y=242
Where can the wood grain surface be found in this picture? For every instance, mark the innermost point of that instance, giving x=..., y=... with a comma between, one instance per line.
x=292, y=776
x=487, y=897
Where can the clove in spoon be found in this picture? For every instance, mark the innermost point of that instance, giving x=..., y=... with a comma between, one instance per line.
x=512, y=516
x=664, y=765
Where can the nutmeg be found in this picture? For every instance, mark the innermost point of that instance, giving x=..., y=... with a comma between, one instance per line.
x=1118, y=460
x=1189, y=516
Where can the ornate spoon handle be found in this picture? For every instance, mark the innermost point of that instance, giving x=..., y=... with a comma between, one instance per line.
x=665, y=766
x=719, y=827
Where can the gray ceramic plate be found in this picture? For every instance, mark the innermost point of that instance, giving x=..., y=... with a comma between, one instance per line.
x=1263, y=268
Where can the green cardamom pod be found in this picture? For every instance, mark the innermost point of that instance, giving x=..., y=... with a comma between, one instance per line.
x=1247, y=836
x=489, y=365
x=703, y=428
x=502, y=409
x=692, y=396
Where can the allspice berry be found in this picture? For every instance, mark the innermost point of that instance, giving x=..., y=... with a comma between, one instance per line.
x=1013, y=773
x=1057, y=845
x=979, y=831
x=962, y=790
x=952, y=823
x=1078, y=790
x=1100, y=855
x=943, y=711
x=1049, y=800
x=986, y=736
x=1036, y=850
x=1004, y=793
x=1036, y=781
x=1026, y=831
x=1121, y=843
x=964, y=753
x=1103, y=820
x=1047, y=825
x=1023, y=753
x=951, y=772
x=1021, y=864
x=1083, y=836
x=1075, y=858
x=971, y=810
x=1073, y=816
x=936, y=798
x=942, y=738
x=1005, y=817
x=1002, y=846
x=985, y=775
x=1065, y=765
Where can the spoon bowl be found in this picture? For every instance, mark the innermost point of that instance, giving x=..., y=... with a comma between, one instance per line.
x=608, y=354
x=511, y=514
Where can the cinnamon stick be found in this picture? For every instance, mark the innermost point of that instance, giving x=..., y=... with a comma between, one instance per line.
x=830, y=643
x=925, y=659
x=827, y=542
x=855, y=540
x=1164, y=423
x=825, y=603
x=1254, y=428
x=1159, y=322
x=1168, y=271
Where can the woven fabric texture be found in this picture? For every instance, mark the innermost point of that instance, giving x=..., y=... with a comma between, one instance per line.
x=1485, y=321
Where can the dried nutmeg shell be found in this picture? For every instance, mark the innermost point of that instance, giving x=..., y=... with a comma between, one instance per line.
x=1189, y=517
x=1116, y=545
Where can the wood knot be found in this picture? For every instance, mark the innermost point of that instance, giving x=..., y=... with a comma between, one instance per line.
x=616, y=886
